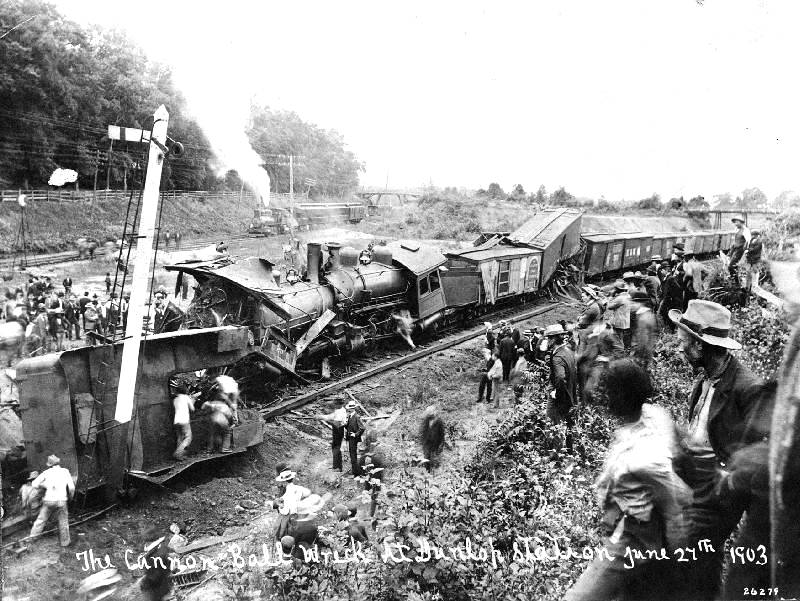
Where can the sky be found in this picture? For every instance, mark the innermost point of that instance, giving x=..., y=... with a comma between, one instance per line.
x=620, y=99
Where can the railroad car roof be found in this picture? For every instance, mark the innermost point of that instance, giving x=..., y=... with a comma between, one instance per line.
x=545, y=226
x=251, y=272
x=416, y=257
x=499, y=251
x=599, y=237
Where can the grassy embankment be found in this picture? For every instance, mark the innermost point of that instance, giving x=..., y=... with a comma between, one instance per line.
x=55, y=226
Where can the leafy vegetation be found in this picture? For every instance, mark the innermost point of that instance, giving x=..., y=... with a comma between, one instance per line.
x=517, y=487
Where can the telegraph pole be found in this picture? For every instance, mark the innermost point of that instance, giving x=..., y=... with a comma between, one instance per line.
x=291, y=199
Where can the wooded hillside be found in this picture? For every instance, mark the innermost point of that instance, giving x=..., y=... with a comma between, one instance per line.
x=62, y=84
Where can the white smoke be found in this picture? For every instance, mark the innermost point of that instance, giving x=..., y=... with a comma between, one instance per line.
x=223, y=111
x=233, y=150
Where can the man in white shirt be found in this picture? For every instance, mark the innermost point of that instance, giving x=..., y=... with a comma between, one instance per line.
x=58, y=487
x=183, y=404
x=336, y=420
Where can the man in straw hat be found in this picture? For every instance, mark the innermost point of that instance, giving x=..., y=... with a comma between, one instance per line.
x=58, y=487
x=620, y=308
x=740, y=242
x=593, y=311
x=30, y=497
x=720, y=406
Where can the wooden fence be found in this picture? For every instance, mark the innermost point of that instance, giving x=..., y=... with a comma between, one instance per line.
x=61, y=195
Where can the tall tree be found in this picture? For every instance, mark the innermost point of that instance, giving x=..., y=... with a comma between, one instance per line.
x=326, y=159
x=561, y=197
x=752, y=198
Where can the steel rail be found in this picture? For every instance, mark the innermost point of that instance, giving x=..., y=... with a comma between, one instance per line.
x=435, y=347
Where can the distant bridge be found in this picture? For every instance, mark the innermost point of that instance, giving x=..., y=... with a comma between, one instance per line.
x=379, y=197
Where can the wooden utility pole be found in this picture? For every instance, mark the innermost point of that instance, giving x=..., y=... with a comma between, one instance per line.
x=96, y=168
x=108, y=169
x=141, y=270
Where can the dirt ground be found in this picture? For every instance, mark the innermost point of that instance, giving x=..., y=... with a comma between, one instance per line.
x=233, y=496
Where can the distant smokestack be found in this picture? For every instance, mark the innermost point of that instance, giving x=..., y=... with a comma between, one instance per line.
x=333, y=249
x=314, y=256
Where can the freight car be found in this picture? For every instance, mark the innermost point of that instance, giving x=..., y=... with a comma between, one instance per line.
x=277, y=220
x=610, y=254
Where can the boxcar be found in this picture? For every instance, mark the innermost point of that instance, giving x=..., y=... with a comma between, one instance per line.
x=489, y=274
x=663, y=243
x=555, y=232
x=597, y=247
x=636, y=249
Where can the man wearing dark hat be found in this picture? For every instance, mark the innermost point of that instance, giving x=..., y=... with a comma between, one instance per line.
x=740, y=242
x=353, y=430
x=41, y=327
x=672, y=294
x=720, y=407
x=82, y=302
x=508, y=351
x=652, y=285
x=620, y=308
x=677, y=252
x=753, y=259
x=563, y=377
x=645, y=333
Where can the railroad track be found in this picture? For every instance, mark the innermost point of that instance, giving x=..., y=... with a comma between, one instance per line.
x=68, y=256
x=372, y=367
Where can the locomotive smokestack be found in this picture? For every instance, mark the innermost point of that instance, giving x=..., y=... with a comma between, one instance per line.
x=334, y=250
x=314, y=256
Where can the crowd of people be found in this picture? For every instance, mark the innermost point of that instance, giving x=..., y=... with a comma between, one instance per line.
x=52, y=315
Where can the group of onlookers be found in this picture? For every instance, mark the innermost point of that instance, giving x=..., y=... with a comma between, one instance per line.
x=58, y=315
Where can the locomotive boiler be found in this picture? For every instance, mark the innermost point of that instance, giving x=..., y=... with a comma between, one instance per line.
x=346, y=298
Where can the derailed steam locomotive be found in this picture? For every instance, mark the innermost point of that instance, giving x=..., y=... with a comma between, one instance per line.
x=348, y=298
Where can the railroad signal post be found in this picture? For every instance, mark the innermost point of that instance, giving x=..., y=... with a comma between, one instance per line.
x=141, y=270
